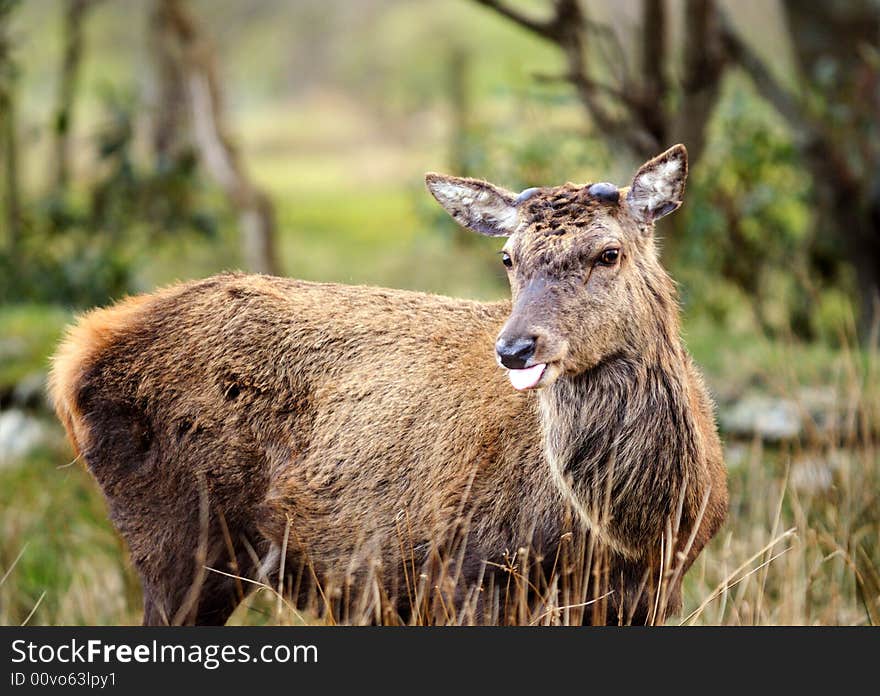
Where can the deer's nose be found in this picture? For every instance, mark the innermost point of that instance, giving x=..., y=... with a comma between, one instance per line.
x=515, y=352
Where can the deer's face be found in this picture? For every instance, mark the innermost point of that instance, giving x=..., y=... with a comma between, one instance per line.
x=580, y=260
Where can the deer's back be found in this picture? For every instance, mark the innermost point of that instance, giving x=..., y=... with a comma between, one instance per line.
x=344, y=409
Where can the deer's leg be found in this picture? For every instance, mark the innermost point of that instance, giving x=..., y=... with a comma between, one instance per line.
x=199, y=596
x=154, y=615
x=638, y=597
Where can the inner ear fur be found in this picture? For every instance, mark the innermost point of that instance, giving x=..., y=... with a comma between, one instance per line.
x=477, y=205
x=657, y=189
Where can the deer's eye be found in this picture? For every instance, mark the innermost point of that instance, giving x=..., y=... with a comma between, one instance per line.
x=506, y=260
x=609, y=257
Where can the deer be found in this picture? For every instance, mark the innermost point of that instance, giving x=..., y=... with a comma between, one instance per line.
x=399, y=448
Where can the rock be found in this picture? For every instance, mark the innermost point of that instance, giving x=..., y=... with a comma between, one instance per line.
x=771, y=419
x=19, y=434
x=31, y=391
x=813, y=475
x=12, y=347
x=808, y=412
x=823, y=407
x=736, y=454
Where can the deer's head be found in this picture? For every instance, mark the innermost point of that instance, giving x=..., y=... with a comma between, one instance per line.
x=584, y=275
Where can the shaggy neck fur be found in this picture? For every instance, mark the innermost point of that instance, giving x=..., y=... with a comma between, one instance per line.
x=623, y=433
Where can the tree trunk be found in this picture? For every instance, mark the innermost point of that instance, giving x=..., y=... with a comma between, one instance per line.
x=654, y=89
x=8, y=136
x=216, y=151
x=850, y=226
x=833, y=119
x=68, y=82
x=701, y=76
x=170, y=128
x=702, y=70
x=10, y=169
x=256, y=213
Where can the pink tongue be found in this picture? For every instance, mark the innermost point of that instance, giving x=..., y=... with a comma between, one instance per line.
x=525, y=379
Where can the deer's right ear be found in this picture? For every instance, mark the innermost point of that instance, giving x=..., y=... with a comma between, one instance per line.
x=475, y=204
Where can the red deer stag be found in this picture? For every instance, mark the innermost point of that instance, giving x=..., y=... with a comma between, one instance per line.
x=397, y=451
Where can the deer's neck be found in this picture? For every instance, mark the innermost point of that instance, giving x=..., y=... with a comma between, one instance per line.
x=623, y=446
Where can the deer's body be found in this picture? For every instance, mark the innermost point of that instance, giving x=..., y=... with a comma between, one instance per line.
x=372, y=436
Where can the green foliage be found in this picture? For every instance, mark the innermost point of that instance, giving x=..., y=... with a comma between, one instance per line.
x=8, y=68
x=28, y=334
x=165, y=198
x=745, y=240
x=82, y=249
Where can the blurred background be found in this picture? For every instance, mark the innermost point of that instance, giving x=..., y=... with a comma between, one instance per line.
x=143, y=142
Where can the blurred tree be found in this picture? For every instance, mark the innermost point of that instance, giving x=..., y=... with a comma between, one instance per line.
x=643, y=109
x=459, y=67
x=8, y=137
x=638, y=105
x=746, y=223
x=88, y=250
x=186, y=64
x=834, y=111
x=170, y=133
x=460, y=130
x=72, y=37
x=834, y=114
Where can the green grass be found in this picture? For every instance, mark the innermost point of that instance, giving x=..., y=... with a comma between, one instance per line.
x=736, y=361
x=28, y=334
x=379, y=239
x=58, y=547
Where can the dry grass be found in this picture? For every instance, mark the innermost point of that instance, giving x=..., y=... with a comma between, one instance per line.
x=801, y=545
x=825, y=488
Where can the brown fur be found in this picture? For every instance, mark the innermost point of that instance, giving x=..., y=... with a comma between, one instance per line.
x=371, y=433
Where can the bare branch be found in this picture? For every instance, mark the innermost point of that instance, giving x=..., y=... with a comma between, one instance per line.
x=613, y=52
x=610, y=90
x=542, y=28
x=566, y=29
x=703, y=51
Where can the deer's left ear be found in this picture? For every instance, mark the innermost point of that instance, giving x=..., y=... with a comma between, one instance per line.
x=658, y=187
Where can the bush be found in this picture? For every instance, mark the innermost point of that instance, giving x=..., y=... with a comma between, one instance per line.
x=80, y=248
x=748, y=224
